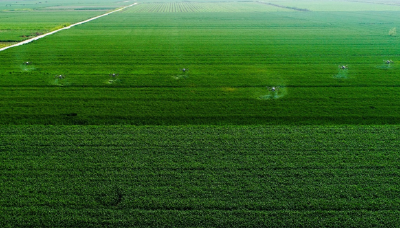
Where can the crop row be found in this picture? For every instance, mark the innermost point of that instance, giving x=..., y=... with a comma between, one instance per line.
x=344, y=6
x=261, y=70
x=242, y=175
x=174, y=7
x=191, y=105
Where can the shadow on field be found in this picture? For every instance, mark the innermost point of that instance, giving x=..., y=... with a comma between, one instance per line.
x=109, y=196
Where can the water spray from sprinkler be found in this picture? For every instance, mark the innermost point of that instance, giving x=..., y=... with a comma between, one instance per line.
x=274, y=92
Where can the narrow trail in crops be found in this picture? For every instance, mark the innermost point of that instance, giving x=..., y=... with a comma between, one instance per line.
x=67, y=27
x=285, y=7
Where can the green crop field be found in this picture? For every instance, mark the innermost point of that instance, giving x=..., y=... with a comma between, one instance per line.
x=200, y=114
x=199, y=176
x=234, y=59
x=30, y=18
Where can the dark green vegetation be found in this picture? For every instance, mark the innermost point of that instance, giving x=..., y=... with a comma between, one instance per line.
x=233, y=60
x=199, y=176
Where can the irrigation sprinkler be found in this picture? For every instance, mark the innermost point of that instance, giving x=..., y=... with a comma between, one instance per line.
x=273, y=88
x=273, y=92
x=184, y=70
x=27, y=63
x=343, y=67
x=113, y=78
x=60, y=76
x=388, y=61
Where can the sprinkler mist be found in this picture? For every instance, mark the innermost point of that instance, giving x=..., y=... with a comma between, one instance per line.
x=114, y=78
x=343, y=72
x=27, y=66
x=60, y=80
x=184, y=74
x=273, y=92
x=387, y=64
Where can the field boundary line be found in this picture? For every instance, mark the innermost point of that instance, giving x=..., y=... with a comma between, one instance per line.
x=285, y=7
x=64, y=28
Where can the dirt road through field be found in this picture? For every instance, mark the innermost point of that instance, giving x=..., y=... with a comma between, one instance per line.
x=67, y=27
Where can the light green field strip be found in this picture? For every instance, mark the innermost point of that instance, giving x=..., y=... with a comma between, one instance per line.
x=59, y=5
x=64, y=28
x=314, y=5
x=193, y=7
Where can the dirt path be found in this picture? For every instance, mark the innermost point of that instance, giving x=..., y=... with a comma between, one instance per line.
x=67, y=27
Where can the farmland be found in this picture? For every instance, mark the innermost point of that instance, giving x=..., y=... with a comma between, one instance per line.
x=190, y=176
x=201, y=114
x=234, y=58
x=27, y=19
